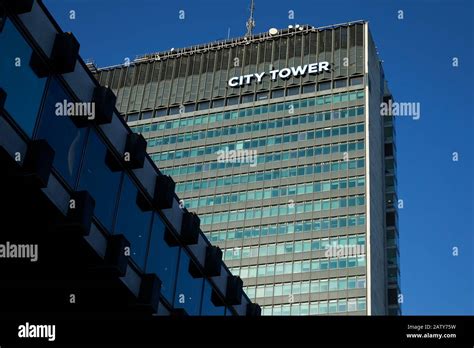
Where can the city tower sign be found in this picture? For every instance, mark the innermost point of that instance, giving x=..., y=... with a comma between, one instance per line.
x=314, y=68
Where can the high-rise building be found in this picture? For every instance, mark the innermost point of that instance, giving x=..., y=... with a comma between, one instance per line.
x=277, y=141
x=90, y=226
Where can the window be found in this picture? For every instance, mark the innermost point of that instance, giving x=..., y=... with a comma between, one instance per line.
x=309, y=88
x=340, y=83
x=262, y=95
x=278, y=93
x=323, y=307
x=160, y=112
x=247, y=98
x=351, y=305
x=361, y=282
x=218, y=103
x=342, y=284
x=260, y=291
x=162, y=258
x=62, y=134
x=172, y=111
x=361, y=304
x=342, y=305
x=293, y=91
x=351, y=283
x=188, y=289
x=204, y=105
x=16, y=79
x=147, y=115
x=132, y=117
x=99, y=180
x=313, y=308
x=323, y=285
x=233, y=101
x=278, y=290
x=357, y=81
x=323, y=86
x=132, y=222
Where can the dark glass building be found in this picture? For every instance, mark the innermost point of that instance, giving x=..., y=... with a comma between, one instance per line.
x=77, y=184
x=276, y=140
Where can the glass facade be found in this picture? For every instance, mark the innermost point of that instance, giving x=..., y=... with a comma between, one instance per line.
x=15, y=74
x=86, y=159
x=307, y=189
x=62, y=134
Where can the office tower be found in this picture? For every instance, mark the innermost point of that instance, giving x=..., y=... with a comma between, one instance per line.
x=277, y=141
x=90, y=226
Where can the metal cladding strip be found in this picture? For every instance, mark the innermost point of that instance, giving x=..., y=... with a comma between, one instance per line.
x=40, y=27
x=132, y=280
x=11, y=141
x=57, y=194
x=97, y=241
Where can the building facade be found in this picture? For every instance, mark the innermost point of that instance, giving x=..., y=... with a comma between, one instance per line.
x=277, y=141
x=77, y=184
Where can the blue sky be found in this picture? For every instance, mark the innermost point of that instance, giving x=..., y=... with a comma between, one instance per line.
x=417, y=52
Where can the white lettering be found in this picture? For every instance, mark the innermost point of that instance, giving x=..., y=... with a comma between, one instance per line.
x=20, y=251
x=259, y=77
x=273, y=74
x=299, y=70
x=313, y=68
x=284, y=73
x=323, y=66
x=234, y=82
x=247, y=79
x=37, y=331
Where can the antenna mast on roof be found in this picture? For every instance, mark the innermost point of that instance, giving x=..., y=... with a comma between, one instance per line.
x=251, y=22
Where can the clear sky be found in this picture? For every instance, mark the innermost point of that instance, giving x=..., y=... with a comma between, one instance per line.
x=418, y=53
